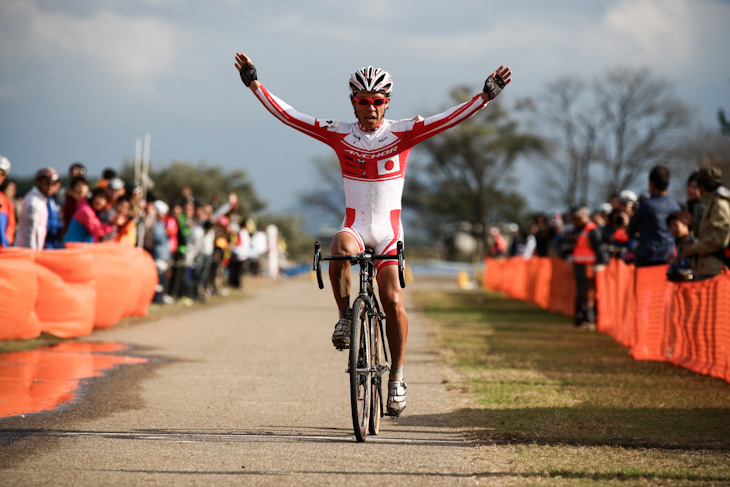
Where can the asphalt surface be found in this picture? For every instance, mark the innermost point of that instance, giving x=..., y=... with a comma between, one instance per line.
x=249, y=392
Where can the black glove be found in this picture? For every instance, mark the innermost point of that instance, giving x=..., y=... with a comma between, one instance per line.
x=493, y=86
x=248, y=74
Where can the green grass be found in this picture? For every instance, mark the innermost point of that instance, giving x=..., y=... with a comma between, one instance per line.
x=570, y=407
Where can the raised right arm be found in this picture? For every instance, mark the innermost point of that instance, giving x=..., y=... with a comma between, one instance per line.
x=306, y=124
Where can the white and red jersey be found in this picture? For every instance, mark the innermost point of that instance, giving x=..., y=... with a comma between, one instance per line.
x=373, y=164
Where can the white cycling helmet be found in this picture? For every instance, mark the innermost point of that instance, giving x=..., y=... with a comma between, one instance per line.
x=4, y=165
x=371, y=79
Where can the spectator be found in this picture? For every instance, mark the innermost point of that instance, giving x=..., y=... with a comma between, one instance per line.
x=221, y=250
x=75, y=170
x=517, y=241
x=240, y=251
x=106, y=176
x=109, y=214
x=600, y=216
x=54, y=231
x=627, y=200
x=78, y=190
x=530, y=242
x=171, y=228
x=680, y=226
x=614, y=201
x=85, y=225
x=710, y=250
x=33, y=222
x=498, y=244
x=7, y=206
x=126, y=231
x=655, y=242
x=203, y=236
x=587, y=259
x=563, y=239
x=159, y=248
x=616, y=237
x=695, y=207
x=181, y=282
x=542, y=237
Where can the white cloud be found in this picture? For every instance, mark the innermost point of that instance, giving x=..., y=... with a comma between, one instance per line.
x=658, y=30
x=134, y=52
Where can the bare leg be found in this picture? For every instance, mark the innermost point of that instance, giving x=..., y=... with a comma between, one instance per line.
x=342, y=244
x=391, y=296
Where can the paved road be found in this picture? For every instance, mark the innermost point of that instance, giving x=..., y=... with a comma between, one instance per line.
x=248, y=392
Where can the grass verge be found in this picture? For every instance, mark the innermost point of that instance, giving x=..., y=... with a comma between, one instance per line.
x=570, y=407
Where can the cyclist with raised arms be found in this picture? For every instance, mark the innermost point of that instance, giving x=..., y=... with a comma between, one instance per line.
x=373, y=154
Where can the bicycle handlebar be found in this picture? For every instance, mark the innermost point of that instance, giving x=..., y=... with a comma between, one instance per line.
x=358, y=258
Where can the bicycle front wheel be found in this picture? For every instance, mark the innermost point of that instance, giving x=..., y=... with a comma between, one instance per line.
x=379, y=364
x=359, y=368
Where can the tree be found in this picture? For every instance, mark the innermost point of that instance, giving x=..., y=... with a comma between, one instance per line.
x=699, y=147
x=463, y=174
x=605, y=136
x=328, y=197
x=206, y=182
x=639, y=118
x=724, y=122
x=570, y=134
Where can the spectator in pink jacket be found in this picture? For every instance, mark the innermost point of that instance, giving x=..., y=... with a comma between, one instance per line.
x=85, y=225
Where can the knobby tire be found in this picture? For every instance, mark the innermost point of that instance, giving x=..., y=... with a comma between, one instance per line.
x=378, y=359
x=360, y=358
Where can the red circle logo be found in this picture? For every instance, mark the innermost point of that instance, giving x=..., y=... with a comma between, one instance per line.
x=389, y=165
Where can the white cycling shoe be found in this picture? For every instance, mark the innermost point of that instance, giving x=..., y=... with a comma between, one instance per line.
x=396, y=397
x=341, y=335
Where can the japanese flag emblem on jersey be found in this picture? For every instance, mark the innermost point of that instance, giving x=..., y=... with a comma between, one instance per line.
x=390, y=165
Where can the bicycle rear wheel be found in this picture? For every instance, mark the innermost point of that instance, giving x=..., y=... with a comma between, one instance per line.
x=359, y=368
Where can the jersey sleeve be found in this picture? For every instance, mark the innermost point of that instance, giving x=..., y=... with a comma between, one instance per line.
x=320, y=130
x=425, y=128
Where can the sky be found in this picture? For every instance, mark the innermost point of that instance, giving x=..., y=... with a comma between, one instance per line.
x=82, y=80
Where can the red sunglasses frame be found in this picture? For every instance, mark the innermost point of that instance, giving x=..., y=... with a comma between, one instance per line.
x=377, y=102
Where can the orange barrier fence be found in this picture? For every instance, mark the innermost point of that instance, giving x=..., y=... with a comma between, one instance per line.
x=69, y=292
x=687, y=324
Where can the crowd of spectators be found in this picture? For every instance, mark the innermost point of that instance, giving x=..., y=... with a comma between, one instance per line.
x=199, y=249
x=693, y=237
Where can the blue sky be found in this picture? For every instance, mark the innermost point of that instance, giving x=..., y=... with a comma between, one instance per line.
x=82, y=80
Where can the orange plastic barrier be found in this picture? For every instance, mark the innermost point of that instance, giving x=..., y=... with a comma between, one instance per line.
x=18, y=295
x=66, y=286
x=699, y=327
x=125, y=281
x=687, y=324
x=70, y=292
x=547, y=282
x=616, y=294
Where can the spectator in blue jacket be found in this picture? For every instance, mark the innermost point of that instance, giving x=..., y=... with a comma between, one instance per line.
x=649, y=222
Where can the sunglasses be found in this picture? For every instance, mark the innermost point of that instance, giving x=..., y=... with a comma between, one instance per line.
x=364, y=101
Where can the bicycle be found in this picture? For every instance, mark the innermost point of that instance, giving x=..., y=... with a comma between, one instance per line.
x=369, y=356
